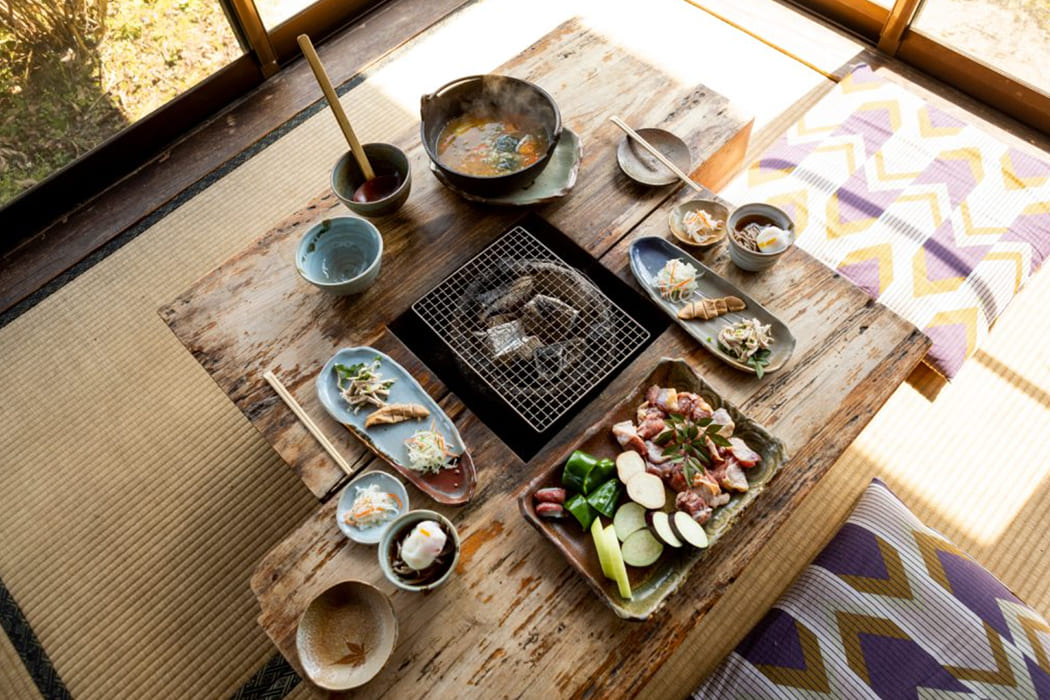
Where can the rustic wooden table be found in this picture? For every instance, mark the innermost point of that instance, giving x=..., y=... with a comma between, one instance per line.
x=515, y=619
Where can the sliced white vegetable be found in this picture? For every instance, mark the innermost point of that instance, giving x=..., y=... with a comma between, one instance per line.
x=641, y=549
x=647, y=490
x=628, y=464
x=629, y=518
x=598, y=534
x=616, y=562
x=660, y=524
x=688, y=530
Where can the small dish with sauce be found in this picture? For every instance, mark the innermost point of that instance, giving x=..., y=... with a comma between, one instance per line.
x=368, y=505
x=382, y=195
x=419, y=550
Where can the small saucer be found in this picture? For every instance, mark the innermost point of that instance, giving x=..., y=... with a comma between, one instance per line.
x=715, y=209
x=556, y=180
x=641, y=166
x=386, y=483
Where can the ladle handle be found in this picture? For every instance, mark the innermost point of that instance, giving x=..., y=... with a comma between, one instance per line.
x=337, y=108
x=659, y=156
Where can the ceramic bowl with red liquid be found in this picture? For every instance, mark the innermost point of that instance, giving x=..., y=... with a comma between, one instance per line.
x=381, y=195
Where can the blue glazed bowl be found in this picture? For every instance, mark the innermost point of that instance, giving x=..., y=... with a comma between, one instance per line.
x=340, y=256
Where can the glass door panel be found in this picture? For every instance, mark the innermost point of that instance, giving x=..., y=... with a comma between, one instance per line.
x=74, y=74
x=1011, y=36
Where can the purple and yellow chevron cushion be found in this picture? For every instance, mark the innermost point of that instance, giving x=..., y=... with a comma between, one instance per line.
x=890, y=609
x=933, y=217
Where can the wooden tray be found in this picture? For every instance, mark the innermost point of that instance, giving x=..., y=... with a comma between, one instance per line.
x=651, y=585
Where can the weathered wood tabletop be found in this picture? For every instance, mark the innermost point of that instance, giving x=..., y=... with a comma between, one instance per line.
x=515, y=619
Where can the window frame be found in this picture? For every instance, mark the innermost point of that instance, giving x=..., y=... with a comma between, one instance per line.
x=76, y=183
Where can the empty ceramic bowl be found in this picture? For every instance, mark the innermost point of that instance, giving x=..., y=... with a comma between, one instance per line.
x=676, y=220
x=393, y=176
x=387, y=485
x=395, y=547
x=346, y=635
x=340, y=256
x=641, y=166
x=763, y=215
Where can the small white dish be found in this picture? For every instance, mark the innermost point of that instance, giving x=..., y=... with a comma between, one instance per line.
x=387, y=484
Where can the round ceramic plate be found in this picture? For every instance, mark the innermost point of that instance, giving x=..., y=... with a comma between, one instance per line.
x=716, y=210
x=641, y=166
x=387, y=484
x=556, y=180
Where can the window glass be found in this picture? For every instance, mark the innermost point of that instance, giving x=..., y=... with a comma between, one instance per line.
x=75, y=72
x=1012, y=36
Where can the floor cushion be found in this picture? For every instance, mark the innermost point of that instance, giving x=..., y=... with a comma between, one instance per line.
x=931, y=216
x=890, y=609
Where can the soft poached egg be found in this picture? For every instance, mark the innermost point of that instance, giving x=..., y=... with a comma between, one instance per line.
x=423, y=545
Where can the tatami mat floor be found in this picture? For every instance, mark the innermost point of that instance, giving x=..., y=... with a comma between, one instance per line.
x=135, y=499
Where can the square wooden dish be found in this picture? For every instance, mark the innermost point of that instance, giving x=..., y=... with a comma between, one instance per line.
x=652, y=585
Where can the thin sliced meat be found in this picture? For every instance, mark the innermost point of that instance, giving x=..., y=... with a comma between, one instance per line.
x=651, y=428
x=719, y=500
x=664, y=471
x=626, y=434
x=732, y=477
x=700, y=409
x=714, y=451
x=722, y=417
x=691, y=503
x=651, y=393
x=686, y=399
x=654, y=453
x=667, y=400
x=743, y=454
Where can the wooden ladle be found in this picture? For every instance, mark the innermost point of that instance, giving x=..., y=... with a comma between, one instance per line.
x=375, y=187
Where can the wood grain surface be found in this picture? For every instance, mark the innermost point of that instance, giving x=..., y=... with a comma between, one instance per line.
x=515, y=619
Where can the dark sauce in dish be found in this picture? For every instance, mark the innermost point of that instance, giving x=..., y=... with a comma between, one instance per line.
x=758, y=219
x=428, y=575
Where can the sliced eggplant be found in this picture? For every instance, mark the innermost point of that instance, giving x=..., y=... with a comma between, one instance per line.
x=629, y=518
x=660, y=524
x=628, y=464
x=647, y=490
x=641, y=549
x=688, y=530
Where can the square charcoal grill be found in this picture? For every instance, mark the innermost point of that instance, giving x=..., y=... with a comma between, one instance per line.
x=527, y=334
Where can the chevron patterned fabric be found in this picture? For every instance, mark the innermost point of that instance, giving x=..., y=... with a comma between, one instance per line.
x=934, y=218
x=890, y=609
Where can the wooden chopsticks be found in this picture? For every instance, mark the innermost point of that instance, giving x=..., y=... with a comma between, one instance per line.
x=290, y=401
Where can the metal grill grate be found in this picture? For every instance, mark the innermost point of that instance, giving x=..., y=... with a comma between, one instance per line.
x=537, y=331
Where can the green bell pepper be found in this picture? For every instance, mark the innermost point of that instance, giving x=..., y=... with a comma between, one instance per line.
x=606, y=497
x=577, y=467
x=581, y=510
x=599, y=474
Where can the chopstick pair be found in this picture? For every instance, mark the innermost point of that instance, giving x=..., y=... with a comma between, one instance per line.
x=290, y=401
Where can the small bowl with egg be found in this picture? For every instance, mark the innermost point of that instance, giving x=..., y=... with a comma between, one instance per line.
x=699, y=222
x=340, y=256
x=382, y=195
x=758, y=235
x=368, y=505
x=419, y=550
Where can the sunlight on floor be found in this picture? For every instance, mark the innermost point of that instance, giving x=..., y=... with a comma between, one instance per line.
x=697, y=49
x=977, y=453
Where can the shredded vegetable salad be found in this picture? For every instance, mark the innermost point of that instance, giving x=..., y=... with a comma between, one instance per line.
x=372, y=507
x=677, y=280
x=700, y=225
x=749, y=341
x=361, y=384
x=428, y=452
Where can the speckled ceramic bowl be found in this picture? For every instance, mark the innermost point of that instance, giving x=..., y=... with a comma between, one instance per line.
x=387, y=484
x=750, y=260
x=340, y=256
x=385, y=159
x=401, y=525
x=346, y=635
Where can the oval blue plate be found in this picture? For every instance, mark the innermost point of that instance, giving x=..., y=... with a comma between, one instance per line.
x=454, y=485
x=648, y=256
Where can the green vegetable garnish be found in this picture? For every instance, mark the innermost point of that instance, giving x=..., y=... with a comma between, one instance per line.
x=684, y=442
